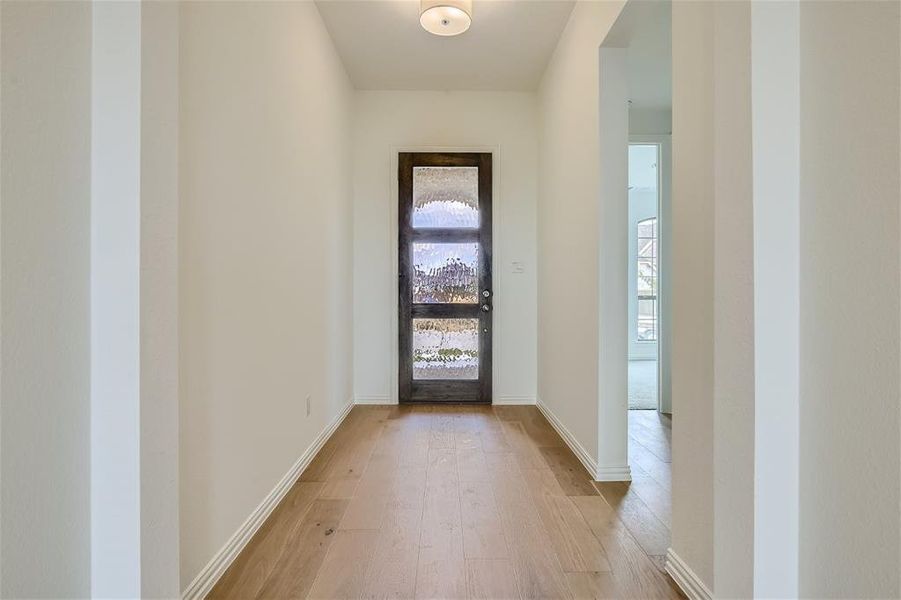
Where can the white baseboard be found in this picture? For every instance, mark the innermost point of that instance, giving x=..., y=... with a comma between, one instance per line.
x=581, y=453
x=220, y=562
x=373, y=400
x=514, y=401
x=622, y=473
x=685, y=578
x=613, y=473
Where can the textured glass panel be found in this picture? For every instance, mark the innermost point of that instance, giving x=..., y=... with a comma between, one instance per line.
x=445, y=273
x=446, y=197
x=445, y=348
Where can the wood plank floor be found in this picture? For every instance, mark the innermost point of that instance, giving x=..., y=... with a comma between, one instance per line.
x=644, y=504
x=451, y=502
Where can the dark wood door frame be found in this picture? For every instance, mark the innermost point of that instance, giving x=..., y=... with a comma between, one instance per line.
x=462, y=391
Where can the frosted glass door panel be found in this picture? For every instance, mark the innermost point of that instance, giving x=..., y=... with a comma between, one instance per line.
x=445, y=197
x=445, y=273
x=446, y=349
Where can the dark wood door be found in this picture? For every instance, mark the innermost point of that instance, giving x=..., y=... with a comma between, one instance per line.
x=444, y=264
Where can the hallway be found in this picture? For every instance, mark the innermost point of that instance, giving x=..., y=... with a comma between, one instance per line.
x=445, y=502
x=241, y=238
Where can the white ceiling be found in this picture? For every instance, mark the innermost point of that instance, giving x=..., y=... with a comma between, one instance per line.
x=645, y=28
x=383, y=46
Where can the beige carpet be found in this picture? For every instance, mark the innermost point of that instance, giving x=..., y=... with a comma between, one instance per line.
x=642, y=384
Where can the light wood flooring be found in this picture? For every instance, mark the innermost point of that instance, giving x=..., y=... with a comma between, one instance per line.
x=456, y=502
x=643, y=504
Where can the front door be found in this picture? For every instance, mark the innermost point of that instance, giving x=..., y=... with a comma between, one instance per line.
x=444, y=268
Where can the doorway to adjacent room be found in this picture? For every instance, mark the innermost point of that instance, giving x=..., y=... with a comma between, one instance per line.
x=644, y=275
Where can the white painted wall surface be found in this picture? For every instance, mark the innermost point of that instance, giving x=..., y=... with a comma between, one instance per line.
x=389, y=122
x=159, y=300
x=265, y=256
x=665, y=265
x=713, y=381
x=775, y=105
x=733, y=304
x=692, y=298
x=568, y=218
x=849, y=494
x=45, y=161
x=613, y=266
x=848, y=349
x=648, y=121
x=115, y=301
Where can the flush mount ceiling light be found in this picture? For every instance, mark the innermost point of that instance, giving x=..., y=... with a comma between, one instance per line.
x=445, y=17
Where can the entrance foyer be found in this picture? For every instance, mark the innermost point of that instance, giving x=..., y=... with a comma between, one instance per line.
x=446, y=502
x=200, y=282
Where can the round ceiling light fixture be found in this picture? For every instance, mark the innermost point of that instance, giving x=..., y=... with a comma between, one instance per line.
x=445, y=17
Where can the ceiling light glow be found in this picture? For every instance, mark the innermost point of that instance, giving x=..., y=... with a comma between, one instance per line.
x=445, y=17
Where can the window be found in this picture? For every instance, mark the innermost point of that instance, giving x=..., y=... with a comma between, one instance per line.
x=647, y=280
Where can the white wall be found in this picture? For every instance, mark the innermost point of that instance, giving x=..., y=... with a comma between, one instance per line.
x=568, y=224
x=775, y=106
x=665, y=265
x=849, y=494
x=134, y=273
x=265, y=256
x=45, y=160
x=115, y=300
x=650, y=121
x=713, y=378
x=159, y=300
x=730, y=222
x=613, y=267
x=692, y=285
x=79, y=88
x=389, y=122
x=733, y=304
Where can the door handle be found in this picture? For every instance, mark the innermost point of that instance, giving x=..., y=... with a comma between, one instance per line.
x=485, y=308
x=486, y=293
